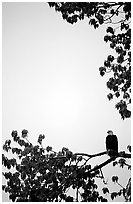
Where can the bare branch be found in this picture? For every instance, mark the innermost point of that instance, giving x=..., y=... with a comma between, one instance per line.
x=125, y=155
x=91, y=155
x=120, y=154
x=103, y=164
x=120, y=185
x=77, y=192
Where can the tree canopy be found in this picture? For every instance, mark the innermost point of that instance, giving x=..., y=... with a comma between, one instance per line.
x=117, y=17
x=39, y=174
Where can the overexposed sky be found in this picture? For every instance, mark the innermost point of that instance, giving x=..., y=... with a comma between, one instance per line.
x=51, y=81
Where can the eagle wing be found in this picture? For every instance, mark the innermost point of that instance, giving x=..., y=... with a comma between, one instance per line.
x=112, y=142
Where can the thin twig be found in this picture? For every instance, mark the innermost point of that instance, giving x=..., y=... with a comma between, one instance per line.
x=77, y=195
x=120, y=185
x=109, y=18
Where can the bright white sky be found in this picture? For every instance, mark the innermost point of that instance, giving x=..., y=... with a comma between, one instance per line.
x=51, y=81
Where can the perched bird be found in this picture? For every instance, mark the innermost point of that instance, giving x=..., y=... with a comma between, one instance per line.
x=111, y=144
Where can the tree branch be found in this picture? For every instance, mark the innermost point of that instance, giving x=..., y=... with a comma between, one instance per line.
x=120, y=185
x=123, y=154
x=91, y=155
x=109, y=18
x=77, y=195
x=103, y=164
x=120, y=154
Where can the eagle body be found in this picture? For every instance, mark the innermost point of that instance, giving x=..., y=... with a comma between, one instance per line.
x=111, y=144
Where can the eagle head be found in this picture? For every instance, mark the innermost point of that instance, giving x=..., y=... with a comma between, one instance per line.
x=110, y=132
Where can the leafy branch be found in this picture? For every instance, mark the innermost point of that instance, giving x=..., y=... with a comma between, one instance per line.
x=119, y=37
x=46, y=172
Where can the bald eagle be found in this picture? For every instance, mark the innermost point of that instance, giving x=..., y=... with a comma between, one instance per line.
x=111, y=144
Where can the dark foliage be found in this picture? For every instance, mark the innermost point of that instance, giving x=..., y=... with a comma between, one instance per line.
x=118, y=15
x=42, y=175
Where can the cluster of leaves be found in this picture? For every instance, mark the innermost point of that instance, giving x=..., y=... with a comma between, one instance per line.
x=117, y=13
x=42, y=175
x=125, y=191
x=97, y=12
x=120, y=83
x=121, y=192
x=122, y=162
x=46, y=176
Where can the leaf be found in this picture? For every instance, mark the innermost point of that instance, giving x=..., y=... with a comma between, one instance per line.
x=7, y=189
x=127, y=113
x=69, y=154
x=126, y=95
x=21, y=142
x=8, y=165
x=106, y=38
x=122, y=162
x=110, y=30
x=127, y=7
x=120, y=59
x=110, y=58
x=115, y=163
x=74, y=157
x=102, y=73
x=6, y=147
x=102, y=69
x=112, y=11
x=63, y=196
x=117, y=94
x=119, y=49
x=14, y=133
x=40, y=138
x=23, y=175
x=92, y=21
x=119, y=193
x=112, y=45
x=24, y=133
x=88, y=167
x=79, y=158
x=115, y=179
x=110, y=96
x=3, y=187
x=12, y=197
x=8, y=142
x=115, y=88
x=13, y=162
x=7, y=175
x=113, y=195
x=129, y=167
x=96, y=25
x=49, y=149
x=129, y=148
x=105, y=190
x=107, y=63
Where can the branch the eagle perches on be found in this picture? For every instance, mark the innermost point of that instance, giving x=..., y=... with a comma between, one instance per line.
x=99, y=167
x=120, y=154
